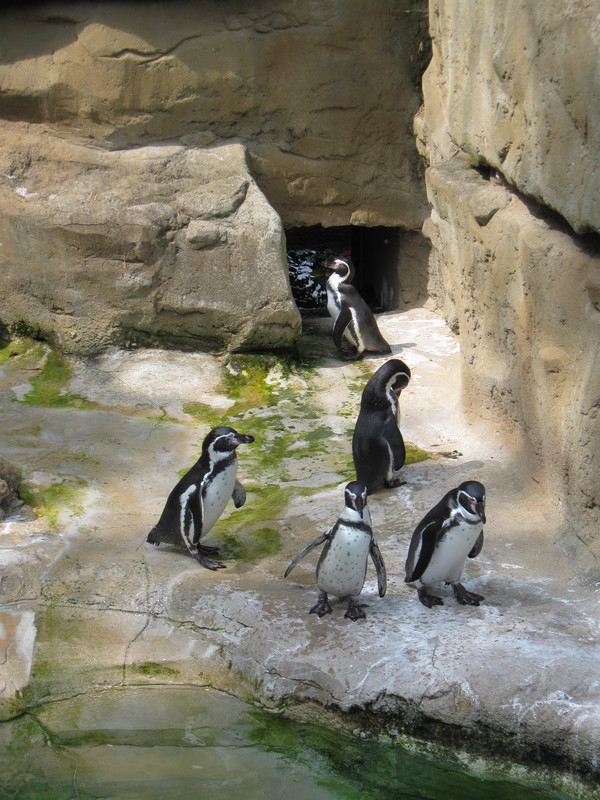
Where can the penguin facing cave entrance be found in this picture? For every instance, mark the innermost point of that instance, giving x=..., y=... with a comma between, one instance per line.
x=375, y=253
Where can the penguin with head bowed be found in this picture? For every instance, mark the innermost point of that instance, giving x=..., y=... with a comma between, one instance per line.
x=342, y=565
x=352, y=317
x=377, y=444
x=198, y=500
x=449, y=533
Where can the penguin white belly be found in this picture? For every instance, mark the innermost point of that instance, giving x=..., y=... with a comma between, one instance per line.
x=333, y=304
x=342, y=568
x=352, y=332
x=216, y=496
x=448, y=558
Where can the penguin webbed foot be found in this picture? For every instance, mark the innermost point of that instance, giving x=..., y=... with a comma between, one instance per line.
x=464, y=597
x=201, y=555
x=427, y=599
x=354, y=611
x=322, y=606
x=349, y=355
x=394, y=483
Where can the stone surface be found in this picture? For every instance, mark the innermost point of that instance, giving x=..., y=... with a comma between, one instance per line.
x=165, y=243
x=510, y=114
x=517, y=674
x=322, y=97
x=10, y=479
x=516, y=86
x=521, y=290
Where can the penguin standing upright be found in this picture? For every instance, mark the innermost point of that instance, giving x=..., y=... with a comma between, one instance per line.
x=200, y=497
x=352, y=317
x=447, y=534
x=377, y=444
x=342, y=565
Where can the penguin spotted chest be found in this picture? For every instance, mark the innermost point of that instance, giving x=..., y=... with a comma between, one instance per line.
x=342, y=566
x=343, y=563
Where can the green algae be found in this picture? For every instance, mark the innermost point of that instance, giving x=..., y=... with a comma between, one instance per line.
x=250, y=546
x=377, y=768
x=414, y=454
x=150, y=669
x=275, y=400
x=65, y=496
x=48, y=388
x=20, y=350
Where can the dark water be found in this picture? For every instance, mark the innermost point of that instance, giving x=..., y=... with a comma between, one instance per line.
x=182, y=742
x=308, y=278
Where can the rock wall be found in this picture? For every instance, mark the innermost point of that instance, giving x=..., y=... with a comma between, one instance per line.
x=320, y=98
x=509, y=129
x=322, y=94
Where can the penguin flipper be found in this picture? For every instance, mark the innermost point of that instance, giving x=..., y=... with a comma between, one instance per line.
x=375, y=554
x=239, y=495
x=306, y=550
x=340, y=325
x=477, y=546
x=393, y=437
x=191, y=516
x=429, y=537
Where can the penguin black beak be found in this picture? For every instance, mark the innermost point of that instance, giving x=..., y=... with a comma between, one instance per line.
x=480, y=509
x=359, y=502
x=243, y=438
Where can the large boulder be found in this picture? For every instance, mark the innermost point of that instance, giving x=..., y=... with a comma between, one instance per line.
x=162, y=243
x=322, y=94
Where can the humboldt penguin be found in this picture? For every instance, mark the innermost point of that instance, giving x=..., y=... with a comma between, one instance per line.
x=449, y=533
x=352, y=317
x=342, y=565
x=377, y=444
x=198, y=500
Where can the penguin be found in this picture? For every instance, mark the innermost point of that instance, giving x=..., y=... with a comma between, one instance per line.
x=200, y=497
x=352, y=317
x=447, y=534
x=377, y=444
x=342, y=565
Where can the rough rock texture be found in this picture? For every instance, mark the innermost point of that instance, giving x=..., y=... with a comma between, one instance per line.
x=88, y=605
x=154, y=243
x=514, y=86
x=322, y=96
x=10, y=478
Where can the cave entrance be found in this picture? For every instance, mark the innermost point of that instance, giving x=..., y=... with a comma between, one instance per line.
x=376, y=253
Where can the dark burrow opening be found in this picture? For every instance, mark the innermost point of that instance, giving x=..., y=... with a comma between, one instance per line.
x=390, y=265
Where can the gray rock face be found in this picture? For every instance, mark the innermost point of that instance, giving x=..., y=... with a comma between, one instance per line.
x=524, y=293
x=516, y=85
x=165, y=243
x=322, y=94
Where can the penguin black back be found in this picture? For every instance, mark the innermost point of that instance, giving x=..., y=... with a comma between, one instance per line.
x=377, y=444
x=199, y=498
x=352, y=317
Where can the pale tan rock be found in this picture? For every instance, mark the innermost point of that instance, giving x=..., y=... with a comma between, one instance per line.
x=523, y=293
x=168, y=244
x=322, y=96
x=516, y=85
